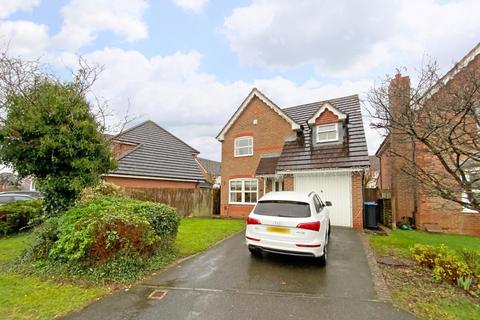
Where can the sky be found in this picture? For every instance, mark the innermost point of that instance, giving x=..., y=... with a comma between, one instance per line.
x=188, y=64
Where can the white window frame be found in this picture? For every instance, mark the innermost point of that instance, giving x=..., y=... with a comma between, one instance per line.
x=465, y=198
x=242, y=191
x=235, y=148
x=321, y=129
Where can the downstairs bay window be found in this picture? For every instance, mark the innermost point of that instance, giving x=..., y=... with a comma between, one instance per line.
x=243, y=191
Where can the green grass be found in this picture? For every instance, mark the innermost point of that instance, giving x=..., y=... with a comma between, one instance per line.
x=32, y=297
x=198, y=234
x=400, y=241
x=35, y=298
x=413, y=288
x=13, y=246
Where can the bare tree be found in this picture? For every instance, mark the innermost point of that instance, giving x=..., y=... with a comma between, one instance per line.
x=439, y=119
x=18, y=75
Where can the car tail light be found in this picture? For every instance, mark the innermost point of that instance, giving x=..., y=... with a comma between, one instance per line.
x=253, y=221
x=314, y=226
x=308, y=245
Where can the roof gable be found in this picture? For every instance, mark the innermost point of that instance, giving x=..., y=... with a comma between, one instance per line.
x=256, y=93
x=327, y=106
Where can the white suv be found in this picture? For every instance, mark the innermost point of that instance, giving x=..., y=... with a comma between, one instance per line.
x=292, y=223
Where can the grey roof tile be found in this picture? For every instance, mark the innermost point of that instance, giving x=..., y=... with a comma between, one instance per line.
x=159, y=154
x=353, y=153
x=211, y=166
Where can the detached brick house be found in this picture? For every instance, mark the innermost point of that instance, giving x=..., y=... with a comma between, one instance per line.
x=408, y=200
x=317, y=147
x=148, y=156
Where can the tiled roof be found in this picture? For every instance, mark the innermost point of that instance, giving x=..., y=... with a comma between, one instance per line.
x=212, y=167
x=267, y=165
x=352, y=154
x=159, y=154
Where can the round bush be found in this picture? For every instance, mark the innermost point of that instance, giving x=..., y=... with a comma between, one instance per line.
x=104, y=228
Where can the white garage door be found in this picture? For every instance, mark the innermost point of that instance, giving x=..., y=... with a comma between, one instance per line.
x=333, y=187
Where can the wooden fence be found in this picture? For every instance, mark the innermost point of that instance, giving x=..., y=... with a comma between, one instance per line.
x=188, y=202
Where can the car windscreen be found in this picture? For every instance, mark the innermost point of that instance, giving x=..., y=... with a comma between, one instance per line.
x=287, y=209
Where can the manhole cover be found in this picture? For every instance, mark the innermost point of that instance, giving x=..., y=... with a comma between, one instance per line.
x=157, y=294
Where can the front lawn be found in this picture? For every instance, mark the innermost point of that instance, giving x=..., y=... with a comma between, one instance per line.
x=412, y=287
x=400, y=241
x=24, y=296
x=198, y=234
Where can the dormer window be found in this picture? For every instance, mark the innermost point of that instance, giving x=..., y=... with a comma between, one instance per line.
x=327, y=133
x=243, y=147
x=328, y=124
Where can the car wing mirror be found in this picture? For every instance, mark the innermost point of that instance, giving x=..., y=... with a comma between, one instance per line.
x=328, y=203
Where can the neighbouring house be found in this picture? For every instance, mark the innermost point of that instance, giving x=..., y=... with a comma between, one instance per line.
x=211, y=172
x=9, y=181
x=429, y=212
x=148, y=156
x=318, y=147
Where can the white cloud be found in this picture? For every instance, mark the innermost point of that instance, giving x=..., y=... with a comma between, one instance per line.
x=84, y=19
x=191, y=5
x=8, y=7
x=192, y=104
x=24, y=38
x=349, y=38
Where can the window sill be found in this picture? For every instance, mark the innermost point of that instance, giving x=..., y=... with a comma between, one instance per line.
x=243, y=203
x=243, y=156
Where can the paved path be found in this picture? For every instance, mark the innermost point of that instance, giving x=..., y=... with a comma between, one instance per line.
x=225, y=282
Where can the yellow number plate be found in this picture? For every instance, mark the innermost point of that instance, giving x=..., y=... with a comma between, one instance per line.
x=278, y=230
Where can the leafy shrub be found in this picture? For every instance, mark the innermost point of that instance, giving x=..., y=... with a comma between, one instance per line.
x=163, y=219
x=444, y=263
x=472, y=259
x=44, y=238
x=103, y=188
x=106, y=228
x=19, y=215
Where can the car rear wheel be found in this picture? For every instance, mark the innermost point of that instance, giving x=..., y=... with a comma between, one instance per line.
x=254, y=252
x=323, y=259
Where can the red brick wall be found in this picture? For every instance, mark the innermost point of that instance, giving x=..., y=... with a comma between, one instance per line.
x=327, y=116
x=402, y=186
x=434, y=213
x=268, y=137
x=119, y=149
x=385, y=177
x=357, y=200
x=288, y=182
x=150, y=183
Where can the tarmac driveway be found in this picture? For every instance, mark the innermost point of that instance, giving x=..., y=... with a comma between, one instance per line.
x=225, y=282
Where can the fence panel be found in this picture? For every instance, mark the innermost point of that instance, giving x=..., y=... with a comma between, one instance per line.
x=187, y=202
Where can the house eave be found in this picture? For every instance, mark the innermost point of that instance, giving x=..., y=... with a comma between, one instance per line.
x=256, y=93
x=327, y=106
x=149, y=177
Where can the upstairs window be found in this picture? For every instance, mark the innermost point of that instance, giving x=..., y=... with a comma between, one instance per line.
x=243, y=146
x=327, y=133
